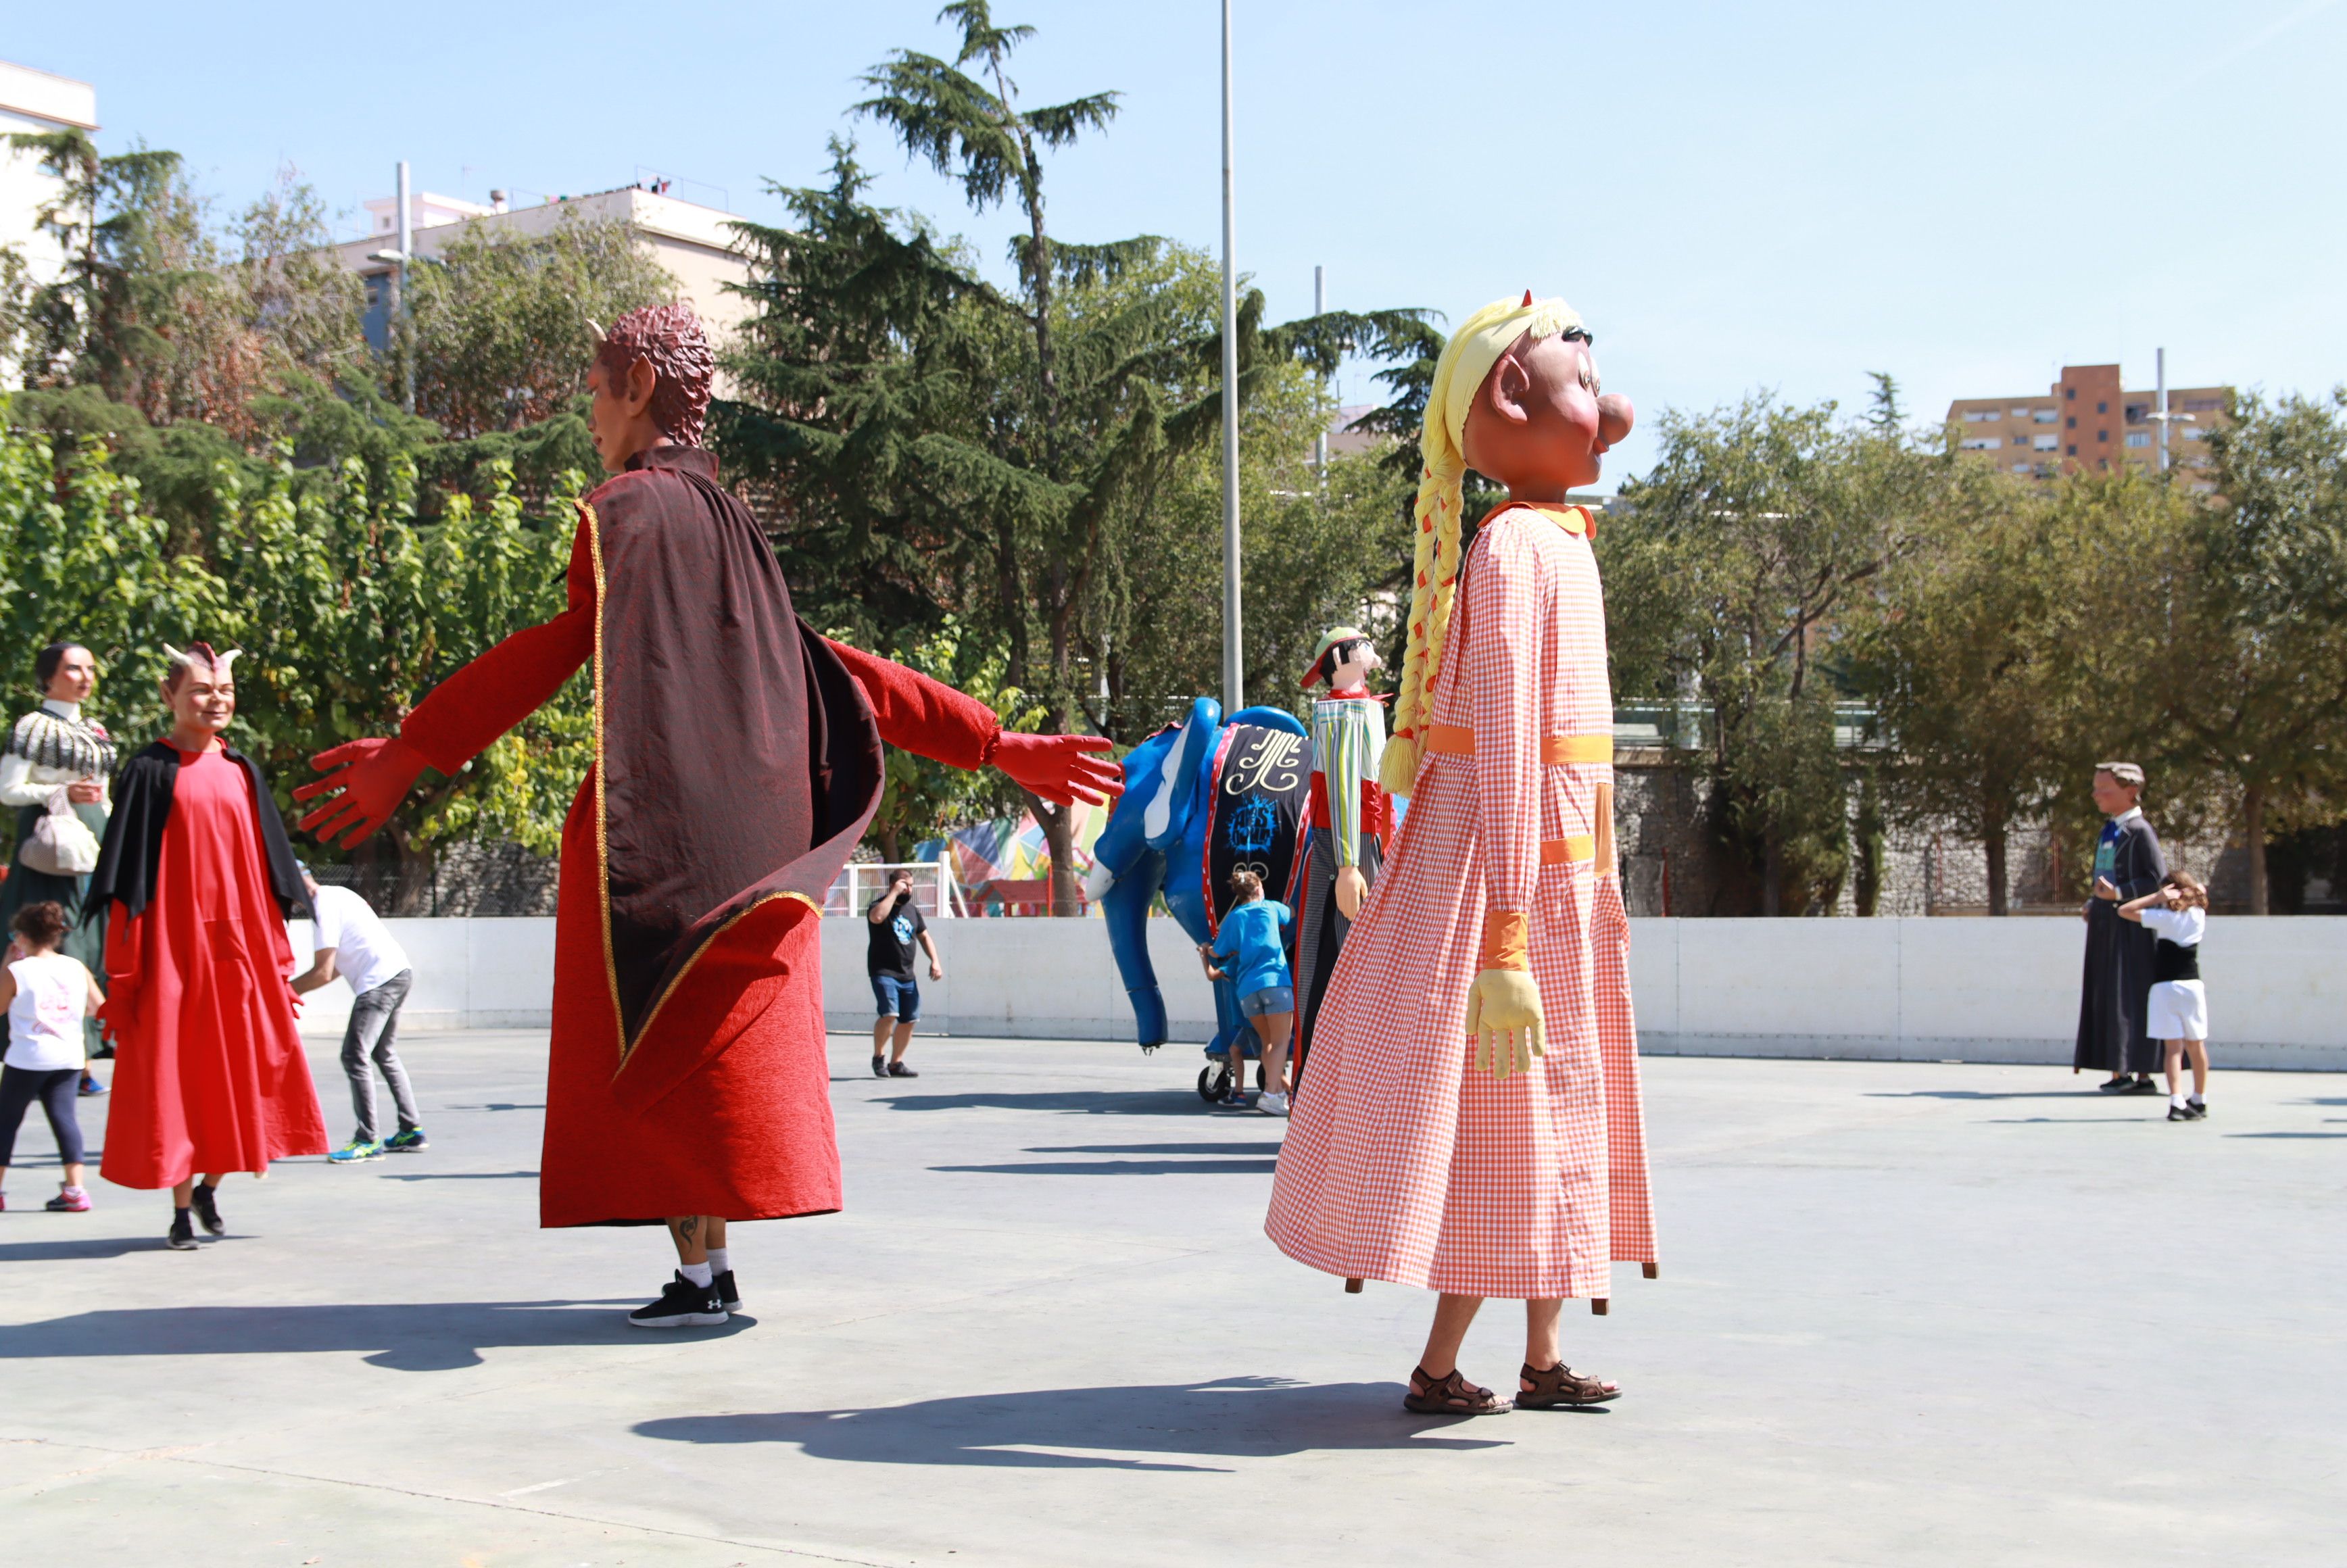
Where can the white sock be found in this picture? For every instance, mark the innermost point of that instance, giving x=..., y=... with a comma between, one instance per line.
x=699, y=1274
x=718, y=1260
x=2177, y=1100
x=2198, y=1100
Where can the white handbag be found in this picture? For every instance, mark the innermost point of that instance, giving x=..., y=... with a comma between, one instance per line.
x=60, y=845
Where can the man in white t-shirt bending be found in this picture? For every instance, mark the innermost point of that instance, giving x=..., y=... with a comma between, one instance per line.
x=353, y=943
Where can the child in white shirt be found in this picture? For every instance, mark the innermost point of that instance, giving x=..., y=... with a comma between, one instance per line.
x=47, y=995
x=2178, y=913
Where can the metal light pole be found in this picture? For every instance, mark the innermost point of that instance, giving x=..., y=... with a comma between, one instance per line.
x=395, y=331
x=1320, y=308
x=1233, y=677
x=2160, y=406
x=406, y=254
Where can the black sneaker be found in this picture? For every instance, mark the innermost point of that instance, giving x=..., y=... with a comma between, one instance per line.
x=2119, y=1086
x=208, y=1210
x=898, y=1070
x=879, y=1066
x=183, y=1233
x=2178, y=1113
x=727, y=1296
x=2196, y=1110
x=2141, y=1086
x=683, y=1305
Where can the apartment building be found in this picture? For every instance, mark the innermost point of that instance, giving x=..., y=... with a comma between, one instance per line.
x=2086, y=420
x=34, y=103
x=694, y=243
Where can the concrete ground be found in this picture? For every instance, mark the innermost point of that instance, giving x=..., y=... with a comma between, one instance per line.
x=1907, y=1312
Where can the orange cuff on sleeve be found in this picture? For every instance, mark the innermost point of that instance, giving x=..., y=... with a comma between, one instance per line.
x=1505, y=941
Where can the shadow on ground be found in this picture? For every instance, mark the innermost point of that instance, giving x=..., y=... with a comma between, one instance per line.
x=1071, y=1102
x=1231, y=1418
x=1122, y=1168
x=1228, y=1150
x=404, y=1336
x=1991, y=1094
x=63, y=1248
x=459, y=1176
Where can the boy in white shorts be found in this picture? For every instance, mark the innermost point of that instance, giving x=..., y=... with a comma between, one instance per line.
x=2176, y=912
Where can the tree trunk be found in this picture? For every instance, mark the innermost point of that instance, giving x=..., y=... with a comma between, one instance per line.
x=2253, y=833
x=1772, y=877
x=1994, y=836
x=1060, y=837
x=886, y=832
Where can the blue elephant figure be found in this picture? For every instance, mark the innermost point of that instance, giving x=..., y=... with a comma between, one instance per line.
x=1201, y=798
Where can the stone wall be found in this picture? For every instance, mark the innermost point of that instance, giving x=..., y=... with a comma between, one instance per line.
x=1672, y=865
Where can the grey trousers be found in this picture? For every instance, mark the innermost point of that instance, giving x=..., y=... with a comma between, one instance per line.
x=367, y=1045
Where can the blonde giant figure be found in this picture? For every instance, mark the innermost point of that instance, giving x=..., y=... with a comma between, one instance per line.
x=1473, y=1124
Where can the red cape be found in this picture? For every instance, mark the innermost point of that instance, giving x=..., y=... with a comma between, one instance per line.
x=737, y=762
x=210, y=1075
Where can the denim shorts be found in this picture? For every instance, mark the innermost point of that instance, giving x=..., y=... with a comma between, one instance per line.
x=1270, y=1000
x=899, y=1000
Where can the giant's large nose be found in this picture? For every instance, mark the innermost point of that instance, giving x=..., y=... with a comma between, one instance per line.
x=1614, y=417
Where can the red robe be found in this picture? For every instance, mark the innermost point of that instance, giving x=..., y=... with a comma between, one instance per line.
x=210, y=1075
x=688, y=1075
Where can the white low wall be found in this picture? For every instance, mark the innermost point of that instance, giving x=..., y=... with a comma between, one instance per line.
x=1921, y=989
x=1884, y=990
x=469, y=974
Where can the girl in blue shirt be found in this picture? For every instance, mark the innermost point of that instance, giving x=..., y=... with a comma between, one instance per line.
x=1252, y=946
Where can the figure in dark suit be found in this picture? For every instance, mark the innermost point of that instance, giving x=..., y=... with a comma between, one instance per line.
x=2113, y=1003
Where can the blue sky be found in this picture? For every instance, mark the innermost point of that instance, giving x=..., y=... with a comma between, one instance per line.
x=1738, y=197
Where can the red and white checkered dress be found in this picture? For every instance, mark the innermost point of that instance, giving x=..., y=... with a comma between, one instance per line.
x=1403, y=1162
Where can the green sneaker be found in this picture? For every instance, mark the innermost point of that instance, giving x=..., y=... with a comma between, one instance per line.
x=352, y=1152
x=408, y=1142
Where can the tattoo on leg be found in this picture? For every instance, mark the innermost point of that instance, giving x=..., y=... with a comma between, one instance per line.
x=689, y=1227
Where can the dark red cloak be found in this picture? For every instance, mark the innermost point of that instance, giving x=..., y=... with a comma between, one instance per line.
x=737, y=760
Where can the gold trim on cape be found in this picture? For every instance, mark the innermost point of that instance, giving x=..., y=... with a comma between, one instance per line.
x=602, y=837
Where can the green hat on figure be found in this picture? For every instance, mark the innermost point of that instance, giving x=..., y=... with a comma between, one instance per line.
x=1321, y=667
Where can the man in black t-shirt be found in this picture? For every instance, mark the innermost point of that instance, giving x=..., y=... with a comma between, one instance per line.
x=896, y=925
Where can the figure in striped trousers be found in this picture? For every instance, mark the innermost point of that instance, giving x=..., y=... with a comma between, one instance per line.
x=1475, y=1123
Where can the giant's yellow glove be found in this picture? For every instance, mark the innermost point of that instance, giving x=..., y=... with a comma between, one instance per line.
x=1503, y=1005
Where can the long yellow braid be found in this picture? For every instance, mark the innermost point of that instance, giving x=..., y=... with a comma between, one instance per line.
x=1459, y=375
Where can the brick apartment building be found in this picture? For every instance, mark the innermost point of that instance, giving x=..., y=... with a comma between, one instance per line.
x=2087, y=420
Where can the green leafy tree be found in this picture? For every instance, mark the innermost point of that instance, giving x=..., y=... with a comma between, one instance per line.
x=1321, y=550
x=81, y=560
x=124, y=312
x=1734, y=564
x=2110, y=546
x=2260, y=647
x=503, y=324
x=1961, y=646
x=350, y=609
x=974, y=446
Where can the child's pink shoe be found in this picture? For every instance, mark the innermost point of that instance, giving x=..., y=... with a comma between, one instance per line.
x=69, y=1201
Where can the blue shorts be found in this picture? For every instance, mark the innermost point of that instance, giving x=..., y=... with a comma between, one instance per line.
x=899, y=1000
x=1270, y=1000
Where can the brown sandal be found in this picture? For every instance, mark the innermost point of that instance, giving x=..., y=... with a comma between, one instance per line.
x=1561, y=1385
x=1452, y=1396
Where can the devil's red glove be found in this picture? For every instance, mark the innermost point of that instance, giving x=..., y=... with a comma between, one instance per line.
x=369, y=779
x=1061, y=768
